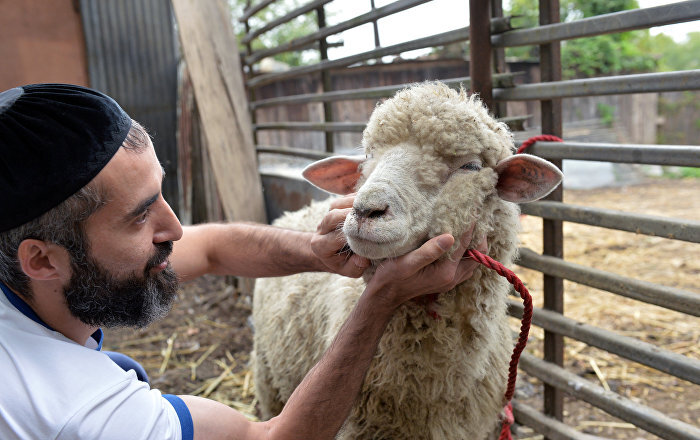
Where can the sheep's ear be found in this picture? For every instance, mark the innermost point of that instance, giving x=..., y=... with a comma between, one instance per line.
x=337, y=174
x=526, y=178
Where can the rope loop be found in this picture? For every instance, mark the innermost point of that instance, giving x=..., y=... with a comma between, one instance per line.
x=542, y=137
x=522, y=337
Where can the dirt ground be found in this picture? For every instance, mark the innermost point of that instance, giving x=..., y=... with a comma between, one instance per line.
x=203, y=346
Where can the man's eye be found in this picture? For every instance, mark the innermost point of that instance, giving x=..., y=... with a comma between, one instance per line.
x=471, y=166
x=142, y=218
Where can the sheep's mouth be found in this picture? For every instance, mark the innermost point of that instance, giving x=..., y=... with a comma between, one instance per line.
x=376, y=249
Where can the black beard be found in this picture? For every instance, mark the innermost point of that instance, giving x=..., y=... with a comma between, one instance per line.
x=99, y=299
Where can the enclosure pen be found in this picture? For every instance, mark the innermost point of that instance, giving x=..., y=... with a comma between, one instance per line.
x=321, y=104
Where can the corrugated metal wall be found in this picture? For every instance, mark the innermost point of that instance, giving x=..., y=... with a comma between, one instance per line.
x=132, y=56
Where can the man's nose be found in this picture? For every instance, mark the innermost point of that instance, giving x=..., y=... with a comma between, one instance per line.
x=169, y=227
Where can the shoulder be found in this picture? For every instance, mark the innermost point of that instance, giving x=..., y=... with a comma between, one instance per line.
x=54, y=388
x=129, y=409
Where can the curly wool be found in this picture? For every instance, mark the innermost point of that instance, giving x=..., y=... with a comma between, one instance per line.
x=431, y=378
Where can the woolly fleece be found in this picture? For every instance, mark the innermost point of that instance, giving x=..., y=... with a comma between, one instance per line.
x=431, y=378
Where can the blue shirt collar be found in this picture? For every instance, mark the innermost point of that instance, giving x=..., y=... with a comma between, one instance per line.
x=27, y=311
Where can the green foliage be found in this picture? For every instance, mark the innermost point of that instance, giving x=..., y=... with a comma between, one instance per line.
x=603, y=55
x=677, y=56
x=607, y=113
x=588, y=57
x=681, y=172
x=296, y=28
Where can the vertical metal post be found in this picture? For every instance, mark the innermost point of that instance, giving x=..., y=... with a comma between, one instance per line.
x=376, y=28
x=480, y=50
x=499, y=58
x=251, y=91
x=325, y=78
x=550, y=67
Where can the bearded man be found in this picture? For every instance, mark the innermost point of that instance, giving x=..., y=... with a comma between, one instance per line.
x=87, y=241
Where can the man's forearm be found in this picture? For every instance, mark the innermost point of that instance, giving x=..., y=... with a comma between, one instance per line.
x=243, y=249
x=321, y=403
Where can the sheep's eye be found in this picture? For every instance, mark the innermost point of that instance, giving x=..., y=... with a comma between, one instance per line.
x=471, y=166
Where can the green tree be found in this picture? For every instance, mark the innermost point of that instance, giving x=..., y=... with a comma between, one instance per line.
x=677, y=56
x=296, y=28
x=586, y=57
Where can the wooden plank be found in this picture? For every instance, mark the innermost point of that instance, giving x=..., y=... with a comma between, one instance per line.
x=211, y=52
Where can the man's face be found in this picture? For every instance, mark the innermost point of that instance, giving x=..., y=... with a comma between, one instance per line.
x=125, y=279
x=98, y=298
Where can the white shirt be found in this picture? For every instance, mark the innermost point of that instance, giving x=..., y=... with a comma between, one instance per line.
x=54, y=388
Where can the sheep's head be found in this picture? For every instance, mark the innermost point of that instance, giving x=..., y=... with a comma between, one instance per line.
x=433, y=157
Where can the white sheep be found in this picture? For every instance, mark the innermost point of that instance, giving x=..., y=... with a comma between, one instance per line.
x=436, y=162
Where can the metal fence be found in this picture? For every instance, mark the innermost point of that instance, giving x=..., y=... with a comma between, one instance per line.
x=489, y=32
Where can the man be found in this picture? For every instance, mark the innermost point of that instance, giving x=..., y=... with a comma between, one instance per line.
x=87, y=240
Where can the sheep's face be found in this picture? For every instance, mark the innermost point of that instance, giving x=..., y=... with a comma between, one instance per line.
x=404, y=197
x=433, y=159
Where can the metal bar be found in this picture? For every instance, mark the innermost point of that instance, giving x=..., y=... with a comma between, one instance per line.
x=552, y=230
x=513, y=121
x=501, y=80
x=389, y=9
x=480, y=51
x=284, y=19
x=325, y=78
x=662, y=296
x=656, y=226
x=251, y=92
x=642, y=416
x=434, y=40
x=255, y=9
x=312, y=126
x=299, y=152
x=673, y=155
x=548, y=426
x=499, y=57
x=374, y=25
x=630, y=348
x=601, y=24
x=613, y=85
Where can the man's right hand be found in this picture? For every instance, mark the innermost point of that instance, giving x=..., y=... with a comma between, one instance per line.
x=422, y=272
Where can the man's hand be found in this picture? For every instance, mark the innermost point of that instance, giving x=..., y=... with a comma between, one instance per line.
x=329, y=243
x=421, y=272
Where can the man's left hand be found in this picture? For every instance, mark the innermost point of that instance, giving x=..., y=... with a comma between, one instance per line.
x=331, y=247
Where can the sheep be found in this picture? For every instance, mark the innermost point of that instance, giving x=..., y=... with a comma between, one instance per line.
x=435, y=162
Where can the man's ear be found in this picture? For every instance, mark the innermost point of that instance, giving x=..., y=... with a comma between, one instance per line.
x=337, y=174
x=40, y=260
x=526, y=178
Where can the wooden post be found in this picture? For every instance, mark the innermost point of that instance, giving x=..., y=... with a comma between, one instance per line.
x=211, y=52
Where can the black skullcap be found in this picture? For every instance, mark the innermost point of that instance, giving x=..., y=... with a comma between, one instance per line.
x=54, y=139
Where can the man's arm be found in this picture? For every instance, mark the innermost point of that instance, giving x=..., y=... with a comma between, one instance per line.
x=256, y=250
x=321, y=403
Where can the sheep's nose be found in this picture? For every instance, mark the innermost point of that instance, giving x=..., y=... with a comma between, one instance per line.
x=369, y=213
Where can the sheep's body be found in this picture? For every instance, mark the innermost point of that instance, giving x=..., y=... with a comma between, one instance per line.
x=431, y=378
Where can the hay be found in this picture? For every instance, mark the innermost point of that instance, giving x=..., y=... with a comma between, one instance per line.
x=653, y=259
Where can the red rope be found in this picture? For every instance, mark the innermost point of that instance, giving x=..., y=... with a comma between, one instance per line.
x=522, y=338
x=542, y=137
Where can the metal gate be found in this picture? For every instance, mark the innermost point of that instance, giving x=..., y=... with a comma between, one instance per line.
x=489, y=33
